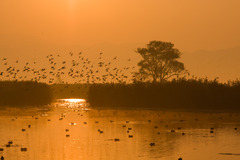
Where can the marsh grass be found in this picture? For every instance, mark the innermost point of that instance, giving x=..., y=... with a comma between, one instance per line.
x=176, y=94
x=61, y=91
x=24, y=93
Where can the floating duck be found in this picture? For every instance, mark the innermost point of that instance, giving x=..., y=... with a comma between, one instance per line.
x=152, y=144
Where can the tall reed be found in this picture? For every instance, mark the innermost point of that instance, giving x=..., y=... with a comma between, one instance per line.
x=24, y=93
x=190, y=94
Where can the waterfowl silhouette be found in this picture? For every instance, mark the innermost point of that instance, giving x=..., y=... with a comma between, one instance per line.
x=152, y=144
x=23, y=149
x=116, y=139
x=130, y=136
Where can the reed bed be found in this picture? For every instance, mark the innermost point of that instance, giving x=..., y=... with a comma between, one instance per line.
x=24, y=93
x=176, y=94
x=62, y=91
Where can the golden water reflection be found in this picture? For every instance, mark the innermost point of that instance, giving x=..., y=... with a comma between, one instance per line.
x=62, y=133
x=72, y=103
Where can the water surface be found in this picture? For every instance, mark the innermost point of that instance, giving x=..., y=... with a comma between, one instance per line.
x=62, y=133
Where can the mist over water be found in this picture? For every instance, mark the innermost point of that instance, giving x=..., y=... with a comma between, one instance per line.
x=62, y=133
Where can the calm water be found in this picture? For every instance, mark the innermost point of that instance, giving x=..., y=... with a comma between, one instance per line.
x=104, y=134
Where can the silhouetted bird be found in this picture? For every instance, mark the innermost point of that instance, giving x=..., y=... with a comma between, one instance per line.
x=130, y=136
x=23, y=149
x=152, y=144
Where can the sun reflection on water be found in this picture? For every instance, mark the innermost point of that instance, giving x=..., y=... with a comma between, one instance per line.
x=72, y=103
x=74, y=100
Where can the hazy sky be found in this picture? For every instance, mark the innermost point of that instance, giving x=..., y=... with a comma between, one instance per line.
x=35, y=28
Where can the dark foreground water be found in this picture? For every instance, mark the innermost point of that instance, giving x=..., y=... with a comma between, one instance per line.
x=71, y=134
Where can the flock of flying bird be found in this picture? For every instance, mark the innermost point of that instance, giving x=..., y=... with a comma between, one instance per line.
x=78, y=70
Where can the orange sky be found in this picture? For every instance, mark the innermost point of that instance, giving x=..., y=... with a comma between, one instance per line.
x=34, y=28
